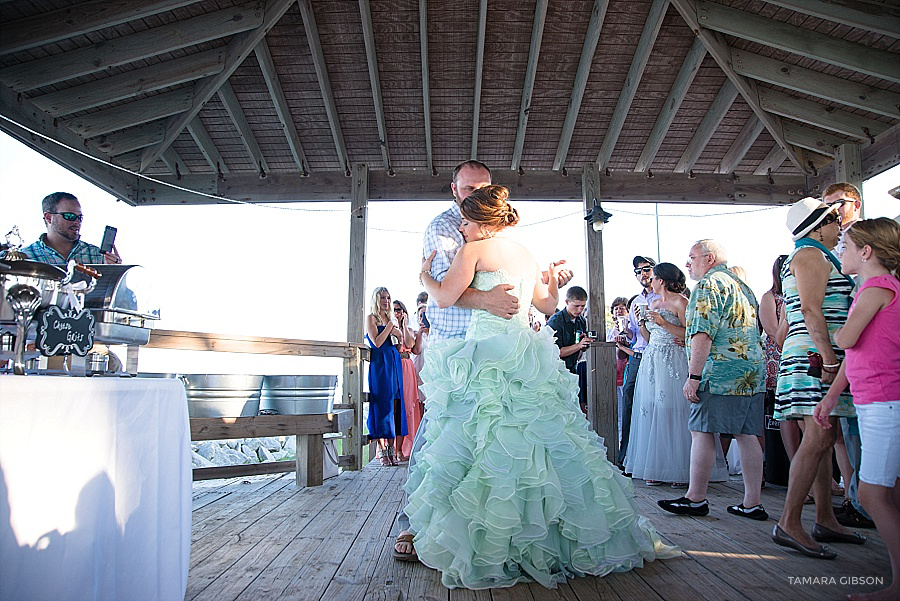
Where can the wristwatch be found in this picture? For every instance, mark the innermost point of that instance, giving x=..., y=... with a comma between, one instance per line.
x=695, y=377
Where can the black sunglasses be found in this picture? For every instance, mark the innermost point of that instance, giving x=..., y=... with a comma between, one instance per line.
x=398, y=310
x=638, y=270
x=69, y=216
x=832, y=218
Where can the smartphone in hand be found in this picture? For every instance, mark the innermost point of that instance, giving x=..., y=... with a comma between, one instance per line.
x=109, y=238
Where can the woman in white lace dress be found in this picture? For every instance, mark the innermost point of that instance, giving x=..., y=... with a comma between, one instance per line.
x=660, y=446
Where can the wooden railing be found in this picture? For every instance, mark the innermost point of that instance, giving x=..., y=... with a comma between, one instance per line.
x=353, y=354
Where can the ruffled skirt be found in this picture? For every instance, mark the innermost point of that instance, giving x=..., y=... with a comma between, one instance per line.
x=511, y=484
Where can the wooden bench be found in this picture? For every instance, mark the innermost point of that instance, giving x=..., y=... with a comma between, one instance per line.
x=307, y=428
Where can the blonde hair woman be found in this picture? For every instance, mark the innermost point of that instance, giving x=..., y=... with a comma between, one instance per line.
x=387, y=418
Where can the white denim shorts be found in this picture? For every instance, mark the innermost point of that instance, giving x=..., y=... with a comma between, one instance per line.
x=879, y=433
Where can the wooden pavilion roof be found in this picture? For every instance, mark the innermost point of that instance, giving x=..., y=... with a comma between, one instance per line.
x=278, y=99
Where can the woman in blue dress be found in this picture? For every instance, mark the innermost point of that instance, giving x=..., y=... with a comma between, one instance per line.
x=511, y=484
x=387, y=418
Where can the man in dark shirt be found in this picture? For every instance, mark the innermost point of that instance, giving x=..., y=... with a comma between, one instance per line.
x=566, y=322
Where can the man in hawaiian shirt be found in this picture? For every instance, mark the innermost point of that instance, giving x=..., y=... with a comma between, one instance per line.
x=726, y=385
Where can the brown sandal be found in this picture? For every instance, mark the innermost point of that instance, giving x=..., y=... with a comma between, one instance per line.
x=385, y=460
x=405, y=538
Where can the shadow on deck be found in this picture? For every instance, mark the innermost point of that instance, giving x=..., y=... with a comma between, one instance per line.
x=261, y=537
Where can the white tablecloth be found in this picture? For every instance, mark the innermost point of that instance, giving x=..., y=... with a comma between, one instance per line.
x=95, y=489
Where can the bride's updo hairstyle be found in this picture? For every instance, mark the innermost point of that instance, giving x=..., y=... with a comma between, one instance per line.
x=489, y=207
x=671, y=276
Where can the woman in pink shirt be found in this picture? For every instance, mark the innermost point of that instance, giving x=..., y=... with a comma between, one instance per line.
x=871, y=339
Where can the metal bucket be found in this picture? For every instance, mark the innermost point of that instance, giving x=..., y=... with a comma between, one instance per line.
x=298, y=395
x=222, y=395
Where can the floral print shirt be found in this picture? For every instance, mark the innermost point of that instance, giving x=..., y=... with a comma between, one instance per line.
x=724, y=308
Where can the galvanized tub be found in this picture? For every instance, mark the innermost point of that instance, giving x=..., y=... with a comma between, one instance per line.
x=222, y=395
x=298, y=395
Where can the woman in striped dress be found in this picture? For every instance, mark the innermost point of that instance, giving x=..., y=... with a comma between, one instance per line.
x=817, y=300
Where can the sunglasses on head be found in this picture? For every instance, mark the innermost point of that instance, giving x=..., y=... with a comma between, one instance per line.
x=69, y=216
x=638, y=270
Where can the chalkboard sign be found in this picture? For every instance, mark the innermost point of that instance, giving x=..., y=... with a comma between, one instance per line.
x=67, y=333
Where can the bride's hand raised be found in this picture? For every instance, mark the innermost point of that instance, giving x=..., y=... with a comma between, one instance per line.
x=559, y=272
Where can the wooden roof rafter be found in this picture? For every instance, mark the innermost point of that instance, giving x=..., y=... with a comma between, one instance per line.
x=721, y=52
x=629, y=89
x=717, y=110
x=240, y=46
x=207, y=147
x=426, y=83
x=133, y=83
x=233, y=107
x=741, y=145
x=71, y=21
x=276, y=92
x=798, y=40
x=479, y=69
x=884, y=18
x=689, y=68
x=534, y=53
x=133, y=47
x=589, y=47
x=821, y=85
x=365, y=12
x=175, y=163
x=318, y=58
x=822, y=116
x=132, y=113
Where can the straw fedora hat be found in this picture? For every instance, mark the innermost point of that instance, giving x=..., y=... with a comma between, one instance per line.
x=806, y=214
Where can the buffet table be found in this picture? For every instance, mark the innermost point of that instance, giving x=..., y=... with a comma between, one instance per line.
x=95, y=488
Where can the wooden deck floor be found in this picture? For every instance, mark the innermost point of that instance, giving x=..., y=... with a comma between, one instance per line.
x=263, y=538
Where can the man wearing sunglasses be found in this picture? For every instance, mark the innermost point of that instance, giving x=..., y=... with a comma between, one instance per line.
x=643, y=273
x=63, y=217
x=847, y=196
x=851, y=513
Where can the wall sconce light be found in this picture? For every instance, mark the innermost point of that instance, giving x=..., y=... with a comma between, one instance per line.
x=597, y=217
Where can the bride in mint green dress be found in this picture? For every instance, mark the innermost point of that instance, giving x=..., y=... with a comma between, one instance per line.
x=512, y=485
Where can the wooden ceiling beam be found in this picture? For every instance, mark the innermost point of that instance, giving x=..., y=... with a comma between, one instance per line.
x=630, y=86
x=132, y=113
x=479, y=68
x=880, y=18
x=689, y=68
x=820, y=115
x=721, y=52
x=44, y=28
x=811, y=139
x=805, y=42
x=426, y=83
x=206, y=145
x=772, y=161
x=132, y=83
x=534, y=53
x=175, y=163
x=619, y=186
x=591, y=38
x=273, y=83
x=817, y=84
x=233, y=107
x=708, y=126
x=18, y=113
x=133, y=138
x=318, y=58
x=131, y=48
x=240, y=46
x=742, y=143
x=365, y=12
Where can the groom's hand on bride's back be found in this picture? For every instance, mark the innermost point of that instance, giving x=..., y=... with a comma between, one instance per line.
x=498, y=301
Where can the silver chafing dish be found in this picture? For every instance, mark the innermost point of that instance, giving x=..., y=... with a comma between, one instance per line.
x=123, y=304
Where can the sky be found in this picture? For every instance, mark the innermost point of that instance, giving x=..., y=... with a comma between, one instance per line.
x=281, y=270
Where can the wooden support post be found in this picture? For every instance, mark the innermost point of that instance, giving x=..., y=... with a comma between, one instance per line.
x=601, y=359
x=359, y=208
x=309, y=460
